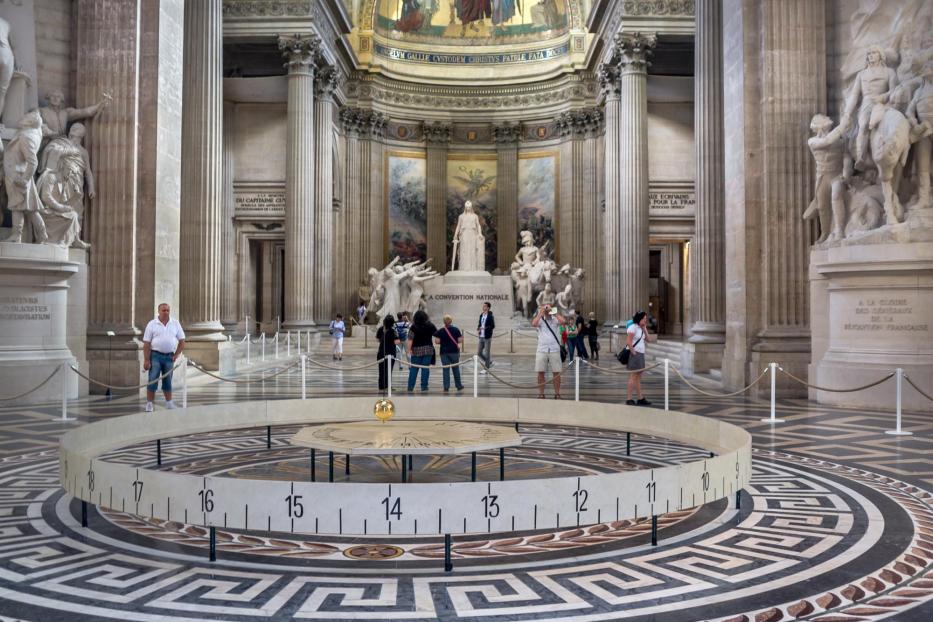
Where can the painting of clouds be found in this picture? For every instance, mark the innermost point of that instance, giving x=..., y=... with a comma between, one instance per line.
x=537, y=197
x=408, y=207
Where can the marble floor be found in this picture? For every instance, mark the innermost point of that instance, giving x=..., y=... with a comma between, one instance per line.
x=837, y=524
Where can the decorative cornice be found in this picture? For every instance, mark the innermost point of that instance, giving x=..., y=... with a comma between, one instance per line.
x=299, y=52
x=633, y=51
x=507, y=133
x=437, y=133
x=267, y=8
x=658, y=7
x=326, y=81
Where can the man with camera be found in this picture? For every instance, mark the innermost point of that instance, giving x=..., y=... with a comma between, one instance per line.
x=550, y=352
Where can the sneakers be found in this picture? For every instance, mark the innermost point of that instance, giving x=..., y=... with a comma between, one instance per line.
x=629, y=402
x=482, y=371
x=170, y=405
x=149, y=407
x=643, y=402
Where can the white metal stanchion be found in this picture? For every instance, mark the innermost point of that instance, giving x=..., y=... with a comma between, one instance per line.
x=899, y=432
x=576, y=378
x=262, y=342
x=276, y=345
x=667, y=385
x=475, y=375
x=246, y=324
x=184, y=381
x=773, y=419
x=303, y=368
x=389, y=373
x=288, y=344
x=64, y=372
x=308, y=343
x=247, y=349
x=299, y=342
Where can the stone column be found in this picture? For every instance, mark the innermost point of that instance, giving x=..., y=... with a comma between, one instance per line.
x=507, y=136
x=300, y=242
x=704, y=348
x=202, y=182
x=351, y=224
x=325, y=83
x=372, y=202
x=634, y=51
x=609, y=81
x=590, y=215
x=437, y=139
x=230, y=315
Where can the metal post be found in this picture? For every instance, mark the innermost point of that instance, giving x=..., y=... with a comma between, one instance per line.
x=308, y=343
x=247, y=348
x=628, y=443
x=304, y=394
x=288, y=344
x=772, y=419
x=576, y=378
x=475, y=375
x=448, y=564
x=212, y=555
x=899, y=377
x=64, y=372
x=667, y=386
x=268, y=437
x=276, y=340
x=299, y=341
x=654, y=530
x=502, y=464
x=346, y=470
x=404, y=468
x=330, y=466
x=184, y=381
x=158, y=452
x=246, y=325
x=389, y=373
x=84, y=513
x=473, y=466
x=511, y=341
x=313, y=465
x=738, y=499
x=262, y=340
x=365, y=336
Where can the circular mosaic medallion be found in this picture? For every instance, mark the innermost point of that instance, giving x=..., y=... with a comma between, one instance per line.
x=373, y=551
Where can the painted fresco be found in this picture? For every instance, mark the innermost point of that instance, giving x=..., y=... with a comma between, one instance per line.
x=408, y=207
x=537, y=197
x=473, y=178
x=471, y=22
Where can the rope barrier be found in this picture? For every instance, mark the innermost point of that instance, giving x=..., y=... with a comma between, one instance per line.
x=734, y=393
x=494, y=335
x=235, y=381
x=919, y=390
x=39, y=386
x=620, y=372
x=819, y=388
x=537, y=385
x=448, y=366
x=128, y=387
x=338, y=368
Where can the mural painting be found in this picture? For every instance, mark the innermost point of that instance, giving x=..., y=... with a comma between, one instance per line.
x=473, y=178
x=455, y=22
x=407, y=224
x=537, y=197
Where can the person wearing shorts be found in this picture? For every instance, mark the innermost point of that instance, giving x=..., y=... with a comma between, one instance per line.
x=163, y=342
x=547, y=357
x=636, y=336
x=337, y=330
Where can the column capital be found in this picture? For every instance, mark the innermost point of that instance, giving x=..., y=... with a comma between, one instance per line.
x=580, y=123
x=299, y=52
x=326, y=81
x=633, y=51
x=507, y=133
x=608, y=77
x=437, y=133
x=352, y=120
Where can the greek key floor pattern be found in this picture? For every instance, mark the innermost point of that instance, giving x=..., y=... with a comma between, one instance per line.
x=837, y=525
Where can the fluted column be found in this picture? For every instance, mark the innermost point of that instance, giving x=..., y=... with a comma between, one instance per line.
x=202, y=174
x=325, y=83
x=229, y=313
x=372, y=203
x=634, y=51
x=707, y=253
x=507, y=137
x=300, y=242
x=609, y=81
x=351, y=229
x=437, y=140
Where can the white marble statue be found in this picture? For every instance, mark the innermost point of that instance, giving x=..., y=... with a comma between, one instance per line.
x=564, y=299
x=469, y=245
x=528, y=253
x=546, y=296
x=890, y=144
x=523, y=291
x=7, y=62
x=399, y=287
x=869, y=94
x=828, y=150
x=414, y=301
x=79, y=174
x=56, y=117
x=20, y=161
x=58, y=192
x=920, y=116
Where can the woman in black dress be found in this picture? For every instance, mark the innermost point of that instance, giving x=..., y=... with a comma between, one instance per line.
x=388, y=340
x=592, y=333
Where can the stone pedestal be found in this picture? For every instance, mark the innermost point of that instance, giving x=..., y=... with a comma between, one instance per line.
x=34, y=303
x=872, y=312
x=462, y=294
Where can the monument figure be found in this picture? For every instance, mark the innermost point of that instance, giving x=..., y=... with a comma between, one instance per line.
x=523, y=291
x=890, y=144
x=20, y=161
x=469, y=245
x=79, y=174
x=920, y=116
x=869, y=93
x=57, y=188
x=546, y=296
x=56, y=117
x=828, y=204
x=528, y=253
x=7, y=62
x=564, y=299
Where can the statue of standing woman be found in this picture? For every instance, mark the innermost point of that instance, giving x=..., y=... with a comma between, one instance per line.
x=469, y=244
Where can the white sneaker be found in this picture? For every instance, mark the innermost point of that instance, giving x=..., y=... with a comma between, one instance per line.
x=170, y=405
x=149, y=407
x=482, y=371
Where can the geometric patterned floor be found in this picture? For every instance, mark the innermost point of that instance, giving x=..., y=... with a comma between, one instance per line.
x=837, y=524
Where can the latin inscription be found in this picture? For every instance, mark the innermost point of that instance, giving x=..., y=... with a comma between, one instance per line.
x=885, y=315
x=23, y=308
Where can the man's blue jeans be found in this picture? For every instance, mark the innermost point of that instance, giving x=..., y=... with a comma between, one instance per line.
x=159, y=364
x=448, y=359
x=413, y=372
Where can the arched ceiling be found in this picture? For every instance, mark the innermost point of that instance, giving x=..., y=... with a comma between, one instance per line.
x=456, y=41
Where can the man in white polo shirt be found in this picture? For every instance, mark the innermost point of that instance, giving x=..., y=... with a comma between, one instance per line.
x=548, y=322
x=163, y=342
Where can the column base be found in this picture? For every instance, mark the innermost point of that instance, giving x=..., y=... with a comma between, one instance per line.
x=219, y=356
x=794, y=357
x=700, y=357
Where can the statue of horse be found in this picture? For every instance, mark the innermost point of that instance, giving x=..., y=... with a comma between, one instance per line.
x=890, y=143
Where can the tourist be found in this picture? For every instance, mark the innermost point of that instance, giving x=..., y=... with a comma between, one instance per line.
x=592, y=333
x=420, y=350
x=401, y=327
x=388, y=340
x=337, y=331
x=568, y=335
x=450, y=339
x=548, y=322
x=361, y=314
x=581, y=336
x=636, y=336
x=163, y=342
x=484, y=328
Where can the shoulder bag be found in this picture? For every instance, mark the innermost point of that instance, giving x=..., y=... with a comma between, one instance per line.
x=625, y=353
x=563, y=350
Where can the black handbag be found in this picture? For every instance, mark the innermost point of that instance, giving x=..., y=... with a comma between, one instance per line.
x=624, y=354
x=563, y=350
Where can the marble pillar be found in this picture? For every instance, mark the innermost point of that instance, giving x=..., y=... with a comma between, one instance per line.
x=774, y=79
x=633, y=52
x=372, y=204
x=590, y=214
x=507, y=136
x=230, y=316
x=437, y=140
x=608, y=76
x=703, y=350
x=325, y=82
x=300, y=226
x=202, y=183
x=350, y=230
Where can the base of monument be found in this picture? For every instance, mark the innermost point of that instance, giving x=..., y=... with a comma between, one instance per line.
x=26, y=369
x=700, y=357
x=462, y=277
x=462, y=294
x=219, y=356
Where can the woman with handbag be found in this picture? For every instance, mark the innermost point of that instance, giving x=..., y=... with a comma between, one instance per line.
x=388, y=340
x=420, y=349
x=636, y=336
